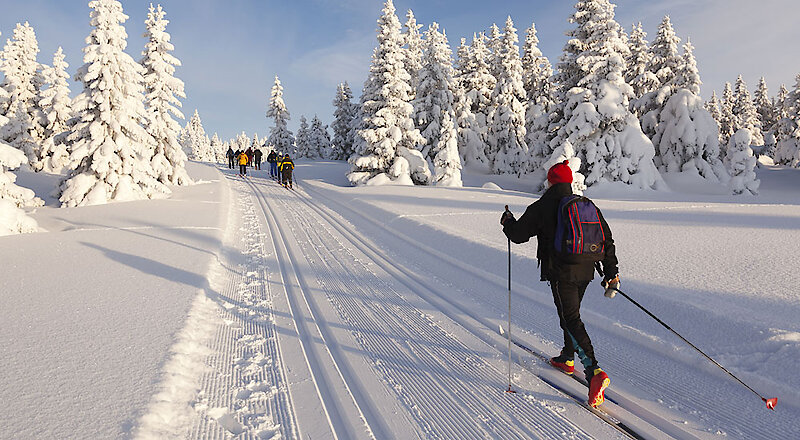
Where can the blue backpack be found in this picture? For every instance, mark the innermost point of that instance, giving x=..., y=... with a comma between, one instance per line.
x=579, y=233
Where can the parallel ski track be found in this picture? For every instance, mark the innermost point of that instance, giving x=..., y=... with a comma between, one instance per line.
x=606, y=414
x=297, y=291
x=403, y=338
x=245, y=375
x=706, y=403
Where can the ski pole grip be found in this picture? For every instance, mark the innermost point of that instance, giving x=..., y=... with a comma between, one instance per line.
x=611, y=289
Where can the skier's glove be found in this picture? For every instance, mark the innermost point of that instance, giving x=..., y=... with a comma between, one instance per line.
x=507, y=215
x=611, y=284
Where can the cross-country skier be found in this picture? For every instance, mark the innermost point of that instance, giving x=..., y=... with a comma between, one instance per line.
x=243, y=164
x=568, y=282
x=257, y=158
x=272, y=158
x=286, y=171
x=231, y=157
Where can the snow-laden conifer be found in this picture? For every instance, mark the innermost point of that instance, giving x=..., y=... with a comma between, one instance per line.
x=435, y=84
x=13, y=220
x=412, y=39
x=21, y=83
x=344, y=115
x=764, y=106
x=162, y=93
x=539, y=92
x=592, y=111
x=478, y=84
x=196, y=141
x=219, y=149
x=788, y=150
x=471, y=147
x=319, y=141
x=494, y=44
x=712, y=105
x=665, y=62
x=638, y=74
x=741, y=163
x=56, y=106
x=279, y=134
x=506, y=122
x=727, y=120
x=301, y=140
x=687, y=135
x=745, y=112
x=434, y=108
x=109, y=146
x=387, y=139
x=242, y=142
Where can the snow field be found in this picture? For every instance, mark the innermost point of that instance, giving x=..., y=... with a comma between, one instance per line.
x=91, y=306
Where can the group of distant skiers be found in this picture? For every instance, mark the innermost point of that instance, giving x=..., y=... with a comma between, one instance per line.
x=281, y=166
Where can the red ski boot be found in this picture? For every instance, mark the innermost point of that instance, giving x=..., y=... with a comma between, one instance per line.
x=567, y=366
x=597, y=385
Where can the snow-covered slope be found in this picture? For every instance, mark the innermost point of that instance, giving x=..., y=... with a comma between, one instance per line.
x=240, y=308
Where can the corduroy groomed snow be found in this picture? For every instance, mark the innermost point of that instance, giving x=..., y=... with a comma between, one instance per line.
x=560, y=173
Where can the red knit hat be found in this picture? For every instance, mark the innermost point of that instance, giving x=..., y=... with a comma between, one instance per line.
x=560, y=173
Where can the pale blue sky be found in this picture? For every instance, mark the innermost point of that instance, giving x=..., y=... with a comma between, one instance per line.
x=231, y=50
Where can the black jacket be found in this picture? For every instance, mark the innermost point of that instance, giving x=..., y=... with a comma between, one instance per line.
x=540, y=220
x=271, y=157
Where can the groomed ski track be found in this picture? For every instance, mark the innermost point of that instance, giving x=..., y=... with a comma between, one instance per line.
x=320, y=340
x=330, y=330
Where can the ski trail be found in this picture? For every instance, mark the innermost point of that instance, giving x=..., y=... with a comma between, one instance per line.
x=702, y=397
x=449, y=389
x=244, y=389
x=226, y=378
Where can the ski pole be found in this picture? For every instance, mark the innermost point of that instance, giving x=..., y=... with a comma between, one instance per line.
x=509, y=390
x=770, y=402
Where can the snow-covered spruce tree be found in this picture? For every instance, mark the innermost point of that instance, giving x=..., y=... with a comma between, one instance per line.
x=196, y=140
x=764, y=106
x=434, y=111
x=242, y=142
x=506, y=122
x=741, y=164
x=22, y=81
x=639, y=61
x=471, y=147
x=162, y=93
x=665, y=61
x=494, y=45
x=319, y=141
x=592, y=111
x=301, y=140
x=539, y=92
x=780, y=117
x=687, y=135
x=219, y=149
x=280, y=137
x=108, y=143
x=56, y=108
x=412, y=39
x=745, y=112
x=712, y=105
x=788, y=150
x=434, y=96
x=343, y=120
x=386, y=140
x=727, y=120
x=478, y=84
x=13, y=220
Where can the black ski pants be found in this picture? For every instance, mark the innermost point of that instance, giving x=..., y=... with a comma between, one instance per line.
x=568, y=296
